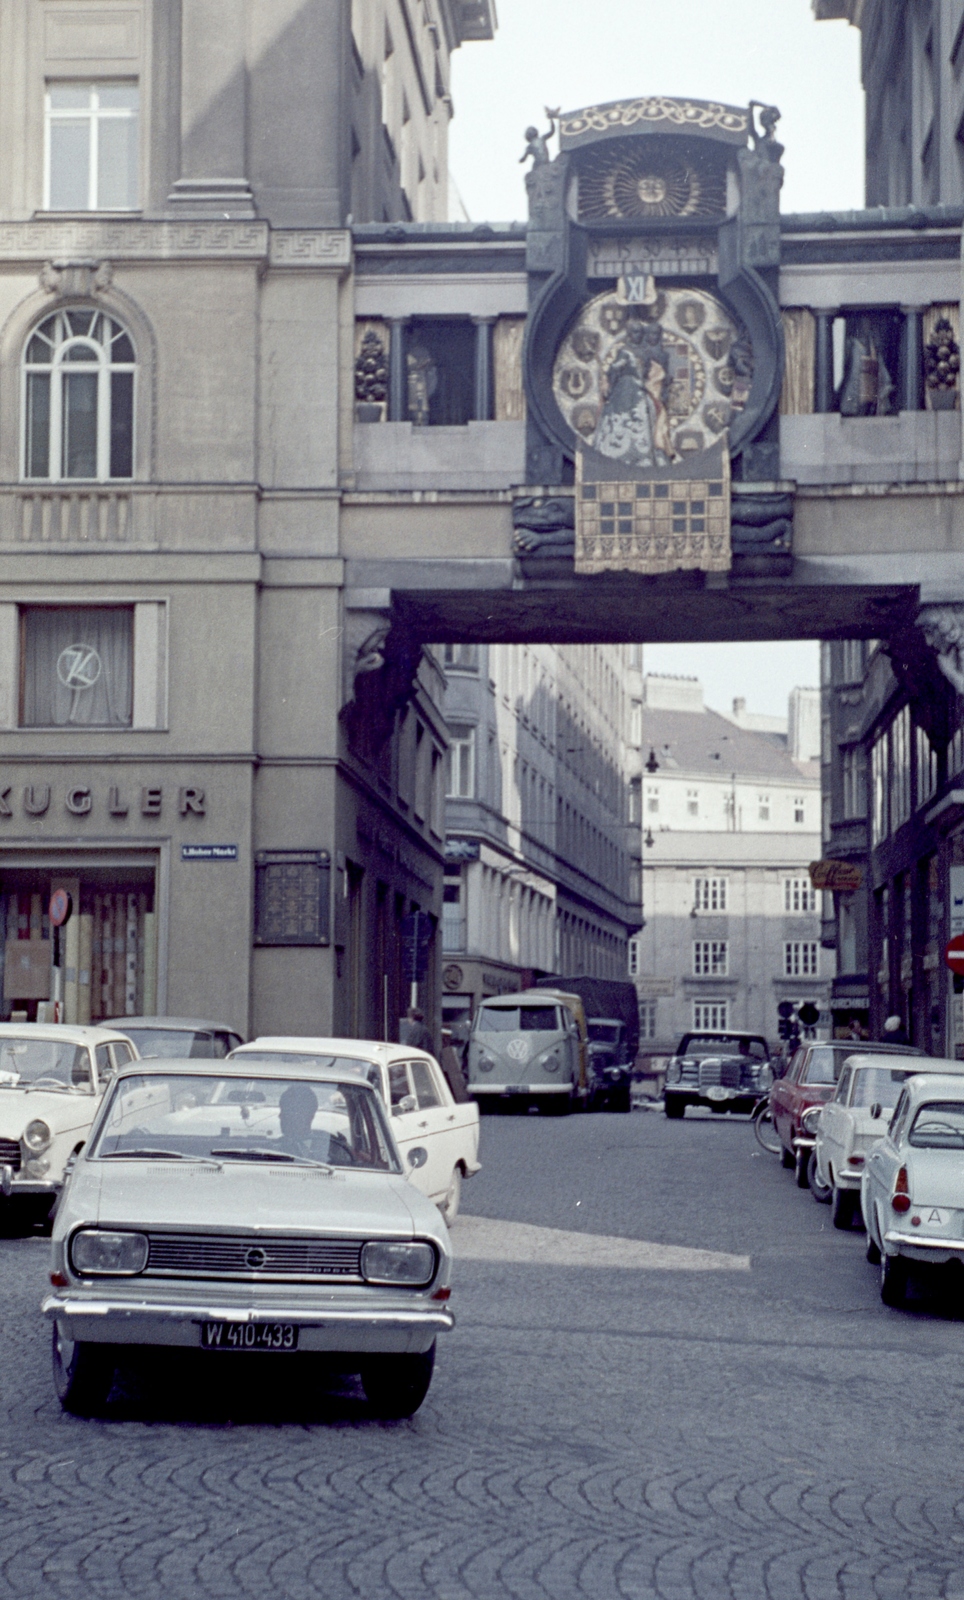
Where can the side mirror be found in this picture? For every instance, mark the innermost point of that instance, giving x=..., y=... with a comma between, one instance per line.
x=417, y=1156
x=876, y=1110
x=408, y=1102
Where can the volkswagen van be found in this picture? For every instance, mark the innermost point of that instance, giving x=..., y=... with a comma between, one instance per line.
x=529, y=1048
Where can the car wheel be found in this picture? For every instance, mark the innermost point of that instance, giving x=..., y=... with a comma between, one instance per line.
x=801, y=1161
x=873, y=1252
x=395, y=1386
x=624, y=1099
x=83, y=1373
x=674, y=1106
x=449, y=1206
x=843, y=1209
x=820, y=1191
x=893, y=1280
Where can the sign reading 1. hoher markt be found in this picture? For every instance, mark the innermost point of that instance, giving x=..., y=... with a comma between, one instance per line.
x=209, y=852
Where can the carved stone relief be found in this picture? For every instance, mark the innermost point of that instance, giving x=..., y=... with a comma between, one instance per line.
x=800, y=335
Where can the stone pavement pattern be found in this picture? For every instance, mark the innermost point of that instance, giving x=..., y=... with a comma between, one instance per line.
x=618, y=1433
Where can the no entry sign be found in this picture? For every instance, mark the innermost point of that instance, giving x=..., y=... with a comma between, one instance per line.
x=954, y=954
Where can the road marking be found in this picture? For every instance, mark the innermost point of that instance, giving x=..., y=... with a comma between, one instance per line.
x=484, y=1239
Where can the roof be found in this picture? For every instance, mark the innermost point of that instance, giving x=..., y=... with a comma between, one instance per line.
x=706, y=743
x=170, y=1023
x=64, y=1032
x=931, y=1083
x=202, y=1066
x=364, y=1049
x=896, y=1058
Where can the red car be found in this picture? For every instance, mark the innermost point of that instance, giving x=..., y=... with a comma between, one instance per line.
x=809, y=1081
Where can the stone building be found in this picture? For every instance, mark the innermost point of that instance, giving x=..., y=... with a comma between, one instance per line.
x=731, y=821
x=542, y=815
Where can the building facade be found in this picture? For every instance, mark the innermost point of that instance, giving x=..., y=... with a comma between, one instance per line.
x=542, y=815
x=731, y=822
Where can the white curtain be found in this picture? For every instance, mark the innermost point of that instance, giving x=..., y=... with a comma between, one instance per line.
x=78, y=667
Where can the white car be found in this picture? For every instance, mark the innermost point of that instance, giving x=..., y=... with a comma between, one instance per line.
x=854, y=1119
x=437, y=1135
x=912, y=1190
x=266, y=1214
x=52, y=1077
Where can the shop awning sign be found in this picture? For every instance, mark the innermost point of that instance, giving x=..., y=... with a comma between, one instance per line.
x=843, y=876
x=209, y=852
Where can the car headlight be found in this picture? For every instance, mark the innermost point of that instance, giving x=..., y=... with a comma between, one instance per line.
x=398, y=1263
x=37, y=1136
x=550, y=1063
x=811, y=1119
x=485, y=1062
x=674, y=1072
x=104, y=1252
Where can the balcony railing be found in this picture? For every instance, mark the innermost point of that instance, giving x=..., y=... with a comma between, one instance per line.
x=62, y=515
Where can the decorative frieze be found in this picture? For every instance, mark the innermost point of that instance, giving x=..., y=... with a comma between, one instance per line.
x=310, y=247
x=53, y=239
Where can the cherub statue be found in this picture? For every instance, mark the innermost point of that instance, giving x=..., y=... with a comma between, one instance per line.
x=537, y=144
x=943, y=628
x=765, y=143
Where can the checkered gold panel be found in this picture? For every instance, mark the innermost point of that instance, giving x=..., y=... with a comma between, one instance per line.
x=651, y=525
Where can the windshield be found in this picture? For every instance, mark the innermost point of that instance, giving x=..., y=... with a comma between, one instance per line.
x=938, y=1126
x=177, y=1044
x=603, y=1032
x=723, y=1044
x=24, y=1061
x=518, y=1019
x=203, y=1116
x=878, y=1086
x=296, y=1058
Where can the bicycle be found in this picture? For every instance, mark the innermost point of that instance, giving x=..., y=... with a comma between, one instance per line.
x=763, y=1126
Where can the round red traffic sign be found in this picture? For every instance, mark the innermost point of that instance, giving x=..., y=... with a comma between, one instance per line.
x=954, y=954
x=60, y=908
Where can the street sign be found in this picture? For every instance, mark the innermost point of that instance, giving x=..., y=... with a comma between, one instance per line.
x=209, y=852
x=418, y=929
x=786, y=1008
x=954, y=954
x=809, y=1014
x=60, y=908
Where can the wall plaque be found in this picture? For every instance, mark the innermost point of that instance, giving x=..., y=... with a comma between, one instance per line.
x=292, y=897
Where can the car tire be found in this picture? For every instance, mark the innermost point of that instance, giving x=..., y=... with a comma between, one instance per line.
x=843, y=1209
x=787, y=1158
x=801, y=1162
x=83, y=1374
x=674, y=1105
x=395, y=1386
x=624, y=1099
x=449, y=1205
x=873, y=1250
x=822, y=1192
x=893, y=1280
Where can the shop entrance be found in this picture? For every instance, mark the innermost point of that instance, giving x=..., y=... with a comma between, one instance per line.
x=108, y=946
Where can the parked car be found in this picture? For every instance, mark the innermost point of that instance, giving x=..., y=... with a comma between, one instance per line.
x=610, y=1065
x=852, y=1122
x=267, y=1213
x=725, y=1071
x=530, y=1047
x=810, y=1080
x=52, y=1077
x=175, y=1038
x=424, y=1112
x=912, y=1188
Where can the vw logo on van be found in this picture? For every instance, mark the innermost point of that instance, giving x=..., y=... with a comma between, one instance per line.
x=518, y=1049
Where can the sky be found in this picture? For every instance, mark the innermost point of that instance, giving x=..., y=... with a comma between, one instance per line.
x=573, y=53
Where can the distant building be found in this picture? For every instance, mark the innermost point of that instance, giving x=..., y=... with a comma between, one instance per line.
x=731, y=821
x=542, y=815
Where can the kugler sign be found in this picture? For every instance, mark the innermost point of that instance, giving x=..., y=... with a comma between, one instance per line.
x=80, y=799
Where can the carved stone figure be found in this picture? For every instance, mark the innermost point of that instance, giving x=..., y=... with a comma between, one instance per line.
x=765, y=143
x=76, y=278
x=942, y=364
x=943, y=628
x=544, y=525
x=537, y=144
x=761, y=519
x=371, y=369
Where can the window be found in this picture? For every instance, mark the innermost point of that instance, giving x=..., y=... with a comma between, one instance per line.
x=78, y=398
x=878, y=779
x=92, y=146
x=710, y=894
x=461, y=657
x=635, y=954
x=426, y=1091
x=799, y=809
x=647, y=1019
x=801, y=958
x=900, y=769
x=799, y=895
x=652, y=801
x=440, y=372
x=693, y=802
x=709, y=1016
x=926, y=767
x=763, y=807
x=854, y=782
x=460, y=783
x=710, y=958
x=77, y=666
x=851, y=660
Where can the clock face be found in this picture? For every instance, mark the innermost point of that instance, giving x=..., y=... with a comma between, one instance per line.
x=652, y=376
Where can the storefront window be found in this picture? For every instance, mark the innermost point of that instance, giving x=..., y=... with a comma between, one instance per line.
x=77, y=666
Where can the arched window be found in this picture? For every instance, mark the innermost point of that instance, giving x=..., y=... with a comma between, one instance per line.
x=78, y=398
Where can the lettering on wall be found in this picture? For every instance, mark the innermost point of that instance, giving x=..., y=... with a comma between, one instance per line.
x=83, y=799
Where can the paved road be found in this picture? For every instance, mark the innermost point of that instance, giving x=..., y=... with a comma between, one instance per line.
x=608, y=1421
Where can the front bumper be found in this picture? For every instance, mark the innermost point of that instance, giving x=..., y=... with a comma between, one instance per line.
x=14, y=1183
x=510, y=1090
x=712, y=1094
x=804, y=1141
x=393, y=1327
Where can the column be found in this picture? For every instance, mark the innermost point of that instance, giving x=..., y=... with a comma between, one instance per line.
x=483, y=368
x=823, y=361
x=911, y=377
x=213, y=180
x=397, y=386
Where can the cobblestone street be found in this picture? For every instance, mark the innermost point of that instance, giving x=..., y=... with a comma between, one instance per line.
x=597, y=1426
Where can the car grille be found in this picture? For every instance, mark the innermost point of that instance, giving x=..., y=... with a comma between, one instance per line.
x=10, y=1154
x=194, y=1255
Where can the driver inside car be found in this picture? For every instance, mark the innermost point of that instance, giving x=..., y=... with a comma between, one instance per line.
x=296, y=1110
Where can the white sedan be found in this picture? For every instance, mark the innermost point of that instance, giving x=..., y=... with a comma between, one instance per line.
x=912, y=1191
x=266, y=1214
x=52, y=1077
x=438, y=1136
x=854, y=1120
